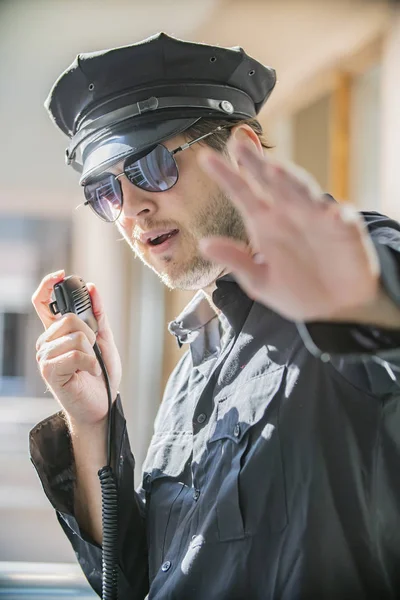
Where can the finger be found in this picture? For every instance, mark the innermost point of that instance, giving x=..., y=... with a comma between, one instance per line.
x=41, y=298
x=232, y=182
x=73, y=341
x=105, y=331
x=342, y=221
x=250, y=271
x=254, y=161
x=67, y=324
x=295, y=195
x=105, y=338
x=349, y=215
x=292, y=182
x=60, y=370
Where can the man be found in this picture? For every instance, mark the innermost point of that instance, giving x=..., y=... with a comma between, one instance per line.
x=273, y=472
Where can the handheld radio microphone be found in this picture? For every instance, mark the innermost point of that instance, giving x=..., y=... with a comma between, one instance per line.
x=73, y=296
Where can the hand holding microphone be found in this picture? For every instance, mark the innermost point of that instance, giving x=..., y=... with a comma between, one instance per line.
x=65, y=353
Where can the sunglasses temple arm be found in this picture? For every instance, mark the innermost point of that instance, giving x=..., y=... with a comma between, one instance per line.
x=188, y=144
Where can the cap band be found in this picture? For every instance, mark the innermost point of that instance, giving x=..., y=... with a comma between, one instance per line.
x=90, y=129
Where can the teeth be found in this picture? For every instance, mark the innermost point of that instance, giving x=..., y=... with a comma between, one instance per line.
x=167, y=233
x=157, y=236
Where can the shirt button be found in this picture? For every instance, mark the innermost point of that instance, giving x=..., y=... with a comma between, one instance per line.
x=196, y=494
x=166, y=566
x=236, y=431
x=201, y=418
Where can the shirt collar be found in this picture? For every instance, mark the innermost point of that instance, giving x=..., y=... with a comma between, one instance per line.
x=228, y=297
x=192, y=319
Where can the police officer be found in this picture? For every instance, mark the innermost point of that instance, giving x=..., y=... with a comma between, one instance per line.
x=273, y=469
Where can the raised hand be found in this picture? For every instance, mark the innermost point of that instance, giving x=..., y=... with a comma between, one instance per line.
x=309, y=258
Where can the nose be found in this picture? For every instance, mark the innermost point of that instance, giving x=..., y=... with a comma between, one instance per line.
x=136, y=202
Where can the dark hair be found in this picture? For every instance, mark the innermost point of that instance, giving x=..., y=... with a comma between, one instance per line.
x=219, y=139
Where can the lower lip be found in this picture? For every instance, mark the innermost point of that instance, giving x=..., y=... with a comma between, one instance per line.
x=159, y=248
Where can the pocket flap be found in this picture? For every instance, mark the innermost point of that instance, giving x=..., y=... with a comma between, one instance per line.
x=244, y=408
x=168, y=455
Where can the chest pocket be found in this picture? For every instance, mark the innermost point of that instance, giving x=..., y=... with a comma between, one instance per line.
x=165, y=469
x=251, y=490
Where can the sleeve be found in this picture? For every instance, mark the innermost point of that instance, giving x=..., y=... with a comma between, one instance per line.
x=366, y=355
x=52, y=457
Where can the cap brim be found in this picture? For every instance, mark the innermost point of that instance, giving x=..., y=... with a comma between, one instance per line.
x=113, y=147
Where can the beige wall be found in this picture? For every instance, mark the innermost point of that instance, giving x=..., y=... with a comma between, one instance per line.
x=311, y=145
x=390, y=119
x=366, y=139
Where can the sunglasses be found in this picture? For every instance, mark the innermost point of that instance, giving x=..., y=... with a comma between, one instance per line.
x=155, y=171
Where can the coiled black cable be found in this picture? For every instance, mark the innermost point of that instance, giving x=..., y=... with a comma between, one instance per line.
x=109, y=512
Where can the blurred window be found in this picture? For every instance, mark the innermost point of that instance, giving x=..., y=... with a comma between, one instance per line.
x=29, y=248
x=12, y=372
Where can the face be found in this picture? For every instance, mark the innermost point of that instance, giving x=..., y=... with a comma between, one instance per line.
x=191, y=210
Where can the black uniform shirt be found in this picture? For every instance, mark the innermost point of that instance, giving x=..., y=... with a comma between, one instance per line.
x=274, y=469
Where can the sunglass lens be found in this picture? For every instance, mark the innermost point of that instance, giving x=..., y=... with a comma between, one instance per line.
x=154, y=172
x=105, y=198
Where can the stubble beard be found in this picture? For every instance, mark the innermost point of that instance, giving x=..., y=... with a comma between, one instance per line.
x=219, y=217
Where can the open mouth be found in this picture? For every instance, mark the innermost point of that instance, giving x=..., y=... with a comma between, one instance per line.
x=161, y=239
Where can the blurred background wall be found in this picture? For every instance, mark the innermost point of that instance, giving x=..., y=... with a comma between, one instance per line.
x=335, y=111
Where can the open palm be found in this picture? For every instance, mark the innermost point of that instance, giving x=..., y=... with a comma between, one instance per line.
x=310, y=258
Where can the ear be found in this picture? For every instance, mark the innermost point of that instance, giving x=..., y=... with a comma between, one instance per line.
x=245, y=133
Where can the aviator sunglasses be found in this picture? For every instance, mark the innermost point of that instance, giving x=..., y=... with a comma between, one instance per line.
x=155, y=171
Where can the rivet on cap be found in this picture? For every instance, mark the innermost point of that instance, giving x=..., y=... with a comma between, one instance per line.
x=91, y=86
x=213, y=59
x=252, y=72
x=227, y=107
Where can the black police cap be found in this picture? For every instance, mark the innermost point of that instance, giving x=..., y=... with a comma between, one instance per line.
x=121, y=101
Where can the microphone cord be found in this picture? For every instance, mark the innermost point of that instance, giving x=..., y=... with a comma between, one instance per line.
x=109, y=510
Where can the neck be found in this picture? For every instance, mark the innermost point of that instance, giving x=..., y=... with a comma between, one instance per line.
x=209, y=289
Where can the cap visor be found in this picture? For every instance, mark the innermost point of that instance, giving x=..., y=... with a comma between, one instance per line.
x=113, y=147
